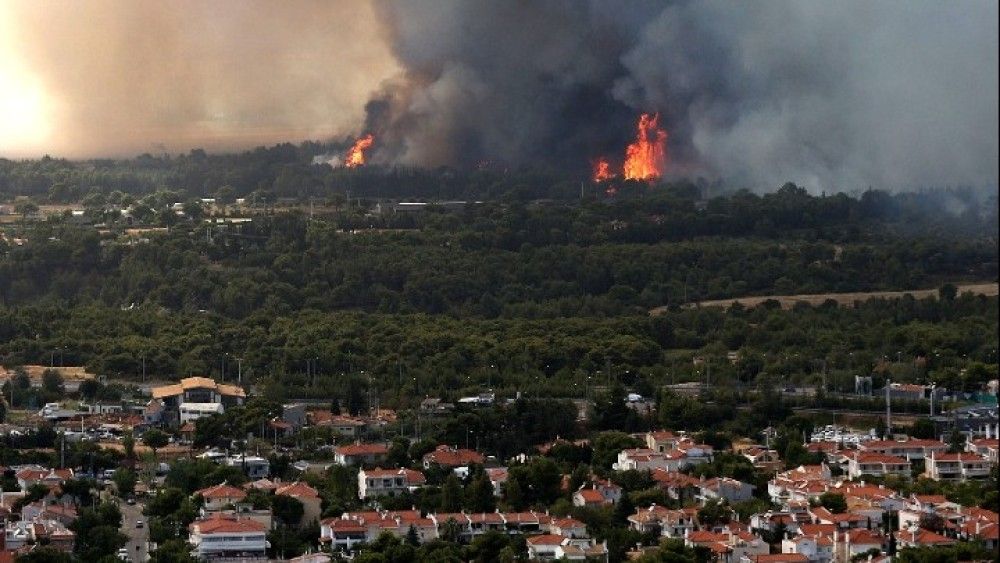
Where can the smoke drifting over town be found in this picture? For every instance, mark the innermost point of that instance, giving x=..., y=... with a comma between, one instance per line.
x=831, y=95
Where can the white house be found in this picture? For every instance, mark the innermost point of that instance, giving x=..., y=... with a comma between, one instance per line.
x=388, y=482
x=220, y=536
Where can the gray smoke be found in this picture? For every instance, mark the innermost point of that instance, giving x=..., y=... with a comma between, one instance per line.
x=832, y=95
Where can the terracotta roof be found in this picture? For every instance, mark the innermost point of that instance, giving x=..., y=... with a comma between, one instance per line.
x=863, y=457
x=591, y=496
x=924, y=537
x=362, y=449
x=497, y=474
x=412, y=476
x=964, y=456
x=197, y=383
x=262, y=484
x=545, y=539
x=453, y=457
x=223, y=490
x=297, y=489
x=219, y=524
x=706, y=536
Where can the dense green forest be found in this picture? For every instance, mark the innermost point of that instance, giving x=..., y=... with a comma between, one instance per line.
x=543, y=297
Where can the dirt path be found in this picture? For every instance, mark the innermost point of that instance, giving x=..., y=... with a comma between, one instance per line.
x=788, y=301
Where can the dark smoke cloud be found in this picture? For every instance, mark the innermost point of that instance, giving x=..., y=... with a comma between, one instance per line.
x=837, y=95
x=832, y=95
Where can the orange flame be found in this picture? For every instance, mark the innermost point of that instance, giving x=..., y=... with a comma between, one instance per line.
x=356, y=155
x=602, y=170
x=645, y=158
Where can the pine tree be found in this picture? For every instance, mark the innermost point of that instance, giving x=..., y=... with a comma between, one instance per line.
x=451, y=494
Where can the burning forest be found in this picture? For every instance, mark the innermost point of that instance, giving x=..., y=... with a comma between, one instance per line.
x=645, y=157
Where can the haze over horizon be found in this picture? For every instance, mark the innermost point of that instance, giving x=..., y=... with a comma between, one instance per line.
x=834, y=96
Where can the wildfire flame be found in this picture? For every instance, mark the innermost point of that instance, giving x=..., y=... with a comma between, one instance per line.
x=356, y=155
x=645, y=158
x=602, y=170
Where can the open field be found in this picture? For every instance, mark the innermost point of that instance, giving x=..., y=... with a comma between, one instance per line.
x=69, y=373
x=847, y=299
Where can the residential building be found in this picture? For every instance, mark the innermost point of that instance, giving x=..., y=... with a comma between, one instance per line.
x=447, y=456
x=724, y=489
x=191, y=399
x=358, y=454
x=862, y=464
x=388, y=482
x=589, y=497
x=343, y=425
x=960, y=466
x=670, y=523
x=255, y=467
x=220, y=496
x=986, y=447
x=498, y=478
x=308, y=496
x=232, y=539
x=910, y=449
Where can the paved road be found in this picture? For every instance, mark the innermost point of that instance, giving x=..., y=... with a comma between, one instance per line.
x=137, y=537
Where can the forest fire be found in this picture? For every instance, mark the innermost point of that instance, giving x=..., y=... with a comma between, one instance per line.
x=602, y=170
x=645, y=158
x=356, y=155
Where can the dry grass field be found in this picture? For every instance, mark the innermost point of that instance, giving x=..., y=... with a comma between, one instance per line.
x=844, y=299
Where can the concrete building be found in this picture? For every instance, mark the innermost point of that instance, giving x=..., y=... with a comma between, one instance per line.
x=388, y=482
x=191, y=399
x=222, y=537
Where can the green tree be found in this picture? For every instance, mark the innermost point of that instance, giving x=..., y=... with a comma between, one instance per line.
x=713, y=513
x=834, y=502
x=155, y=439
x=479, y=494
x=45, y=554
x=287, y=510
x=52, y=382
x=124, y=481
x=451, y=494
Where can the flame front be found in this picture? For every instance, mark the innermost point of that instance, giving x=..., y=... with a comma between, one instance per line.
x=356, y=155
x=645, y=158
x=602, y=170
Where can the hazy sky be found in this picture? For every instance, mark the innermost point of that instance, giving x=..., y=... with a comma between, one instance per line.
x=98, y=77
x=834, y=95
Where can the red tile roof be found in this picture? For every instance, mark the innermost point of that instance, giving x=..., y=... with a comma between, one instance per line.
x=297, y=489
x=453, y=457
x=220, y=524
x=223, y=490
x=362, y=449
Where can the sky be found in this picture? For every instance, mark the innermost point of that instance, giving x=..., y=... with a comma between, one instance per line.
x=833, y=95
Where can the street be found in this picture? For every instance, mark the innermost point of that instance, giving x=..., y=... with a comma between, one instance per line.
x=136, y=536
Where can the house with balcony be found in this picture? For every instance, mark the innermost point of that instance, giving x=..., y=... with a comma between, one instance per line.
x=388, y=482
x=225, y=537
x=190, y=399
x=360, y=454
x=961, y=466
x=860, y=465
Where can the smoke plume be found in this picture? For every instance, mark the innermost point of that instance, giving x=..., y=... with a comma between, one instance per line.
x=832, y=95
x=122, y=77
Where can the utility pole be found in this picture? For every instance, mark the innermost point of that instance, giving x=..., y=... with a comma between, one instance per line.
x=239, y=370
x=933, y=385
x=888, y=408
